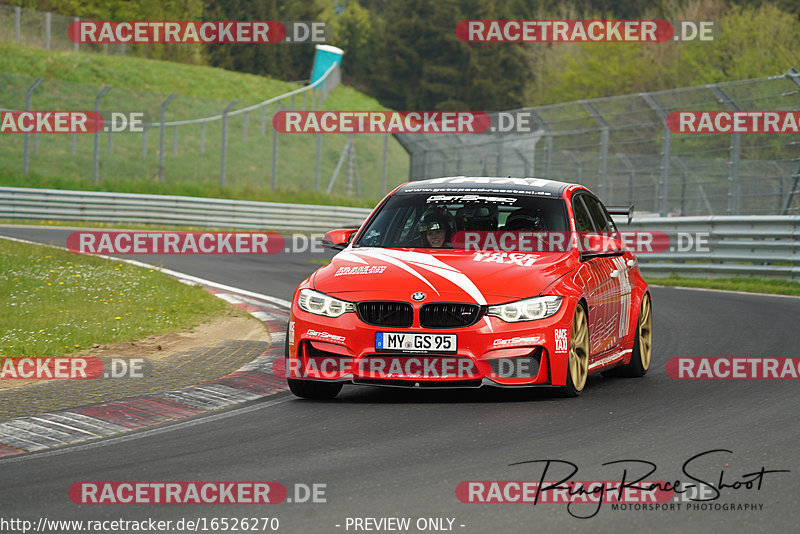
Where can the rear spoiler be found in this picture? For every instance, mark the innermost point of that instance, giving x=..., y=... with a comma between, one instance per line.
x=621, y=210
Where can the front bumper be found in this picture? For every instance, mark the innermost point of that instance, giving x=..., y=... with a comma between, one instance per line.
x=491, y=352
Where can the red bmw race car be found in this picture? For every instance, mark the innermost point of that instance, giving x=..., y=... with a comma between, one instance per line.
x=463, y=282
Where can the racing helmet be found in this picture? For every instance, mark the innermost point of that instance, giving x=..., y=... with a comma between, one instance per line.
x=524, y=219
x=434, y=220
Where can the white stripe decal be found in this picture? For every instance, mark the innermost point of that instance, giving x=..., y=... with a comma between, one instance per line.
x=430, y=263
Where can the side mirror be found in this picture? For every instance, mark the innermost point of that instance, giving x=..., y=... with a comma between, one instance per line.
x=338, y=239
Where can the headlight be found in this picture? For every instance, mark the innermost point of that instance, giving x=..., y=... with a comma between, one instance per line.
x=321, y=304
x=527, y=309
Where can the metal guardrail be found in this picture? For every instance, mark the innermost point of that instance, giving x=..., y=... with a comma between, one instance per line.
x=55, y=204
x=760, y=246
x=757, y=246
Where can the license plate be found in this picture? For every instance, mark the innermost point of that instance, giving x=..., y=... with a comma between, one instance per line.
x=406, y=342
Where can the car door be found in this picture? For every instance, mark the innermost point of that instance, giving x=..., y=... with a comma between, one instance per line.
x=616, y=288
x=602, y=299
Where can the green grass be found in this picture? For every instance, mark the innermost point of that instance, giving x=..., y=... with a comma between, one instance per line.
x=53, y=302
x=192, y=165
x=747, y=285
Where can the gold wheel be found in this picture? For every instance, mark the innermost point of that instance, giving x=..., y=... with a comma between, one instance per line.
x=645, y=332
x=579, y=350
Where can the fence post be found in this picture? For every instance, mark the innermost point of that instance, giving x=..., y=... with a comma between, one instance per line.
x=17, y=16
x=96, y=157
x=75, y=44
x=734, y=187
x=605, y=184
x=631, y=174
x=203, y=137
x=577, y=163
x=224, y=142
x=317, y=159
x=275, y=153
x=28, y=96
x=548, y=144
x=666, y=156
x=47, y=20
x=385, y=161
x=161, y=112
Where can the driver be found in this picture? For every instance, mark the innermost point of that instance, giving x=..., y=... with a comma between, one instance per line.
x=524, y=219
x=434, y=229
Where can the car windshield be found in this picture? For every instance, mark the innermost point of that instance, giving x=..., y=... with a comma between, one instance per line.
x=429, y=220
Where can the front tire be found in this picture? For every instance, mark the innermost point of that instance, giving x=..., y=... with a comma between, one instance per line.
x=309, y=389
x=578, y=360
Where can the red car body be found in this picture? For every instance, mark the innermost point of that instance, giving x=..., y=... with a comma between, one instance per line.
x=345, y=349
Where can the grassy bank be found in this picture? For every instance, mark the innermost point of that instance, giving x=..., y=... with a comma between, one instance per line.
x=192, y=153
x=53, y=302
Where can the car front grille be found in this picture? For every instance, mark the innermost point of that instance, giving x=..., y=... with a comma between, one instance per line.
x=386, y=313
x=449, y=315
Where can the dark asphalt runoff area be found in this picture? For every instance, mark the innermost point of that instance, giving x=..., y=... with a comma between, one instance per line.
x=401, y=453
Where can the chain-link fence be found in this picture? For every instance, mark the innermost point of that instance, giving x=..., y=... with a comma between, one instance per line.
x=621, y=148
x=198, y=140
x=40, y=29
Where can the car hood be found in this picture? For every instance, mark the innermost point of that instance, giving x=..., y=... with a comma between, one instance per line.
x=365, y=273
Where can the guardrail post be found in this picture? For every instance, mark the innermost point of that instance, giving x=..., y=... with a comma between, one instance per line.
x=605, y=184
x=666, y=149
x=17, y=17
x=224, y=142
x=161, y=113
x=96, y=157
x=75, y=45
x=275, y=154
x=28, y=96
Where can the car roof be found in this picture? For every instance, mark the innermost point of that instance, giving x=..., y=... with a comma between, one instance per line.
x=486, y=184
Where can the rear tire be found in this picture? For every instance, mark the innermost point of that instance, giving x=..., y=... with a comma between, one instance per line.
x=642, y=344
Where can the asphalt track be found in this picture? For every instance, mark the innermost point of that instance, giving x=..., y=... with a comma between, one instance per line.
x=401, y=453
